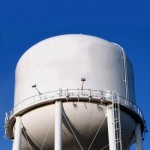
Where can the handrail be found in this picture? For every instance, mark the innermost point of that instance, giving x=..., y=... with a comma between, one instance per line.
x=97, y=94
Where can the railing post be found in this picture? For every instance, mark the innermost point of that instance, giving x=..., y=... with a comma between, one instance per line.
x=66, y=92
x=60, y=92
x=90, y=92
x=90, y=96
x=78, y=93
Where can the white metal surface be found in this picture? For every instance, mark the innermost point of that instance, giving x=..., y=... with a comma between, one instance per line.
x=61, y=61
x=18, y=134
x=58, y=125
x=138, y=137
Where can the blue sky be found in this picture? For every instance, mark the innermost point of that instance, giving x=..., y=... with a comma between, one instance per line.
x=24, y=23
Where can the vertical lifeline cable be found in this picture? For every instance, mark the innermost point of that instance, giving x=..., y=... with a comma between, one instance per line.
x=125, y=73
x=125, y=67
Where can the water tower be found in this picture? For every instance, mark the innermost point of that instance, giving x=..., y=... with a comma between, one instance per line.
x=74, y=92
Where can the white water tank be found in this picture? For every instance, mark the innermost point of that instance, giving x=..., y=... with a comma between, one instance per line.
x=59, y=63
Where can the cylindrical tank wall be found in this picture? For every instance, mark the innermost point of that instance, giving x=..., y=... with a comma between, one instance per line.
x=61, y=62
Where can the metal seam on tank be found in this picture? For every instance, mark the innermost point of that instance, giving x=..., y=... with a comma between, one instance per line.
x=125, y=70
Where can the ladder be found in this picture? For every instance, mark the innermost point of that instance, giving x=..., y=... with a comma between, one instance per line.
x=116, y=119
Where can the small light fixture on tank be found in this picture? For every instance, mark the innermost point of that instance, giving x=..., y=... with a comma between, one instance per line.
x=35, y=87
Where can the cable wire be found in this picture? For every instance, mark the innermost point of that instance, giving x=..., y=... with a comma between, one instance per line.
x=105, y=146
x=96, y=133
x=23, y=129
x=73, y=132
x=45, y=138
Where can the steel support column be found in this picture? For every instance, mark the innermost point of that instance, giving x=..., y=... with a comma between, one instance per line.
x=138, y=137
x=58, y=125
x=17, y=134
x=111, y=128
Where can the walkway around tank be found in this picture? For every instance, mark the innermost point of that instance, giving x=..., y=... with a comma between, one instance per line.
x=94, y=96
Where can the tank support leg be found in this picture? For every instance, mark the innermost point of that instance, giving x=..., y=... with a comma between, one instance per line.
x=138, y=137
x=17, y=134
x=58, y=125
x=111, y=128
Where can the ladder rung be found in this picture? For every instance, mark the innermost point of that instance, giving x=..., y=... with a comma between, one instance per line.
x=116, y=119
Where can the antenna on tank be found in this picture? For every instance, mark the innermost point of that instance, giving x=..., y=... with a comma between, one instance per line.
x=35, y=87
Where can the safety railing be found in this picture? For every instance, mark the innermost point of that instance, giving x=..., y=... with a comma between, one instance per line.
x=54, y=95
